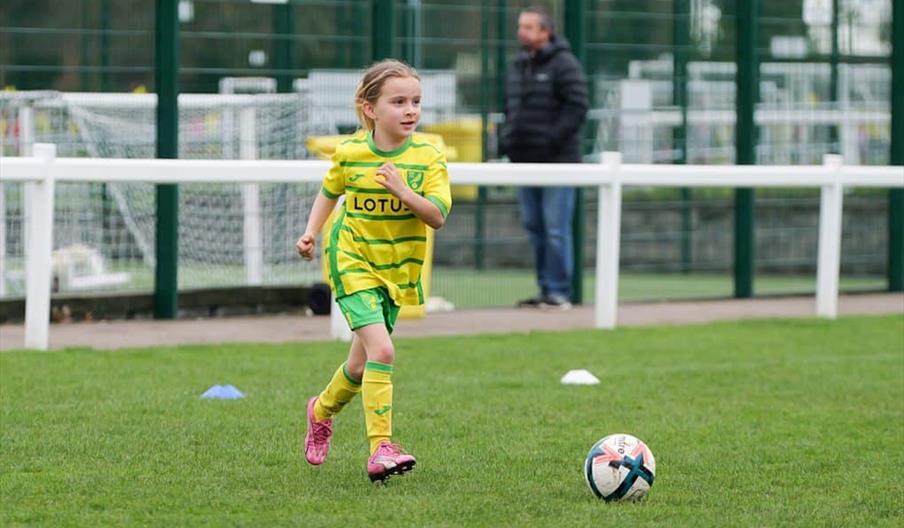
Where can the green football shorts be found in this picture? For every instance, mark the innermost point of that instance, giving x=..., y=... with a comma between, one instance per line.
x=367, y=307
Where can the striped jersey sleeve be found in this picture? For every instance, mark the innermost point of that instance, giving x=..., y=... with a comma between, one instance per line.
x=436, y=186
x=334, y=182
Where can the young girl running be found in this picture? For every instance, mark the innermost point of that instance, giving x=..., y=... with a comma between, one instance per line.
x=395, y=185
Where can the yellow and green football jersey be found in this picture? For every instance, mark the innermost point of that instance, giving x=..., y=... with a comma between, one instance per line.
x=376, y=240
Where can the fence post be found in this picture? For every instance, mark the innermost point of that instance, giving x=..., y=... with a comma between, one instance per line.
x=283, y=45
x=40, y=241
x=608, y=238
x=576, y=17
x=829, y=264
x=254, y=258
x=896, y=196
x=2, y=241
x=166, y=84
x=339, y=328
x=383, y=35
x=747, y=85
x=26, y=144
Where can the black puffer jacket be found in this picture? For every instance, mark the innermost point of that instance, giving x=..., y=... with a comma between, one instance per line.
x=545, y=106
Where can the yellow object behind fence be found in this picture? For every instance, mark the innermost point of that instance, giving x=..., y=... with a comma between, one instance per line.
x=463, y=135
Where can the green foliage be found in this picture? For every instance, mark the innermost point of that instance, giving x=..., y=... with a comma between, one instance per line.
x=764, y=423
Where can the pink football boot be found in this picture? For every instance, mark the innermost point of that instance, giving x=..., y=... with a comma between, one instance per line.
x=389, y=459
x=317, y=439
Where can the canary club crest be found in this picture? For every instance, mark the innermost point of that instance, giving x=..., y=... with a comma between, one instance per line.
x=415, y=179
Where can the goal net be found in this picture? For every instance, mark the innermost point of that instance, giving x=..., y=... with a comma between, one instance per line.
x=229, y=234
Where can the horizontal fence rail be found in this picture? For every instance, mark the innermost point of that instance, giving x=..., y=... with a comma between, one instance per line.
x=40, y=172
x=34, y=169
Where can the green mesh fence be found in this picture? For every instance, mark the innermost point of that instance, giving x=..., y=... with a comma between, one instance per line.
x=661, y=76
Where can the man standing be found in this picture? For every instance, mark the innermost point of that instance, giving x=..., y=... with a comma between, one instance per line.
x=545, y=106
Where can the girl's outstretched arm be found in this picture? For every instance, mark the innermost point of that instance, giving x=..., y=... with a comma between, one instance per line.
x=320, y=211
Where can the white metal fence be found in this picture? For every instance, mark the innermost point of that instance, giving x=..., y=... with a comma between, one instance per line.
x=41, y=171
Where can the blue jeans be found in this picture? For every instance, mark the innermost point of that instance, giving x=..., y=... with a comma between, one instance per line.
x=546, y=213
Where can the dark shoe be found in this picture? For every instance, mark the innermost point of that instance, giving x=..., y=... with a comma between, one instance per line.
x=555, y=302
x=533, y=302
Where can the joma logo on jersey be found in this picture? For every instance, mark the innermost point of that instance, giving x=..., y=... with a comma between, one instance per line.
x=415, y=179
x=378, y=205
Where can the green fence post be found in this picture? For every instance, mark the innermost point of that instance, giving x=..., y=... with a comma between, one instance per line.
x=680, y=51
x=480, y=206
x=354, y=16
x=283, y=46
x=85, y=79
x=896, y=196
x=383, y=32
x=412, y=33
x=747, y=84
x=834, y=132
x=106, y=84
x=480, y=210
x=575, y=15
x=501, y=64
x=166, y=80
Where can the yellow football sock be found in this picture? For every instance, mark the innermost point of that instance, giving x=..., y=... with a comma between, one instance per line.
x=341, y=389
x=376, y=389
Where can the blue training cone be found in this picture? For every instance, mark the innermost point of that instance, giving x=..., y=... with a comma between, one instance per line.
x=222, y=392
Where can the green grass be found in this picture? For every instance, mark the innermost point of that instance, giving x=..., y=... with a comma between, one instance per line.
x=760, y=423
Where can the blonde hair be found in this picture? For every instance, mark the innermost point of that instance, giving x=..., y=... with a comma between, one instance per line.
x=372, y=82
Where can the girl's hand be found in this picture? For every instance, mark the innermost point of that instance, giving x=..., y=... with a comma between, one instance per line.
x=391, y=179
x=305, y=246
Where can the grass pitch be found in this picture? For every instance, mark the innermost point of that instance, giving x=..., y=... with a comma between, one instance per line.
x=760, y=423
